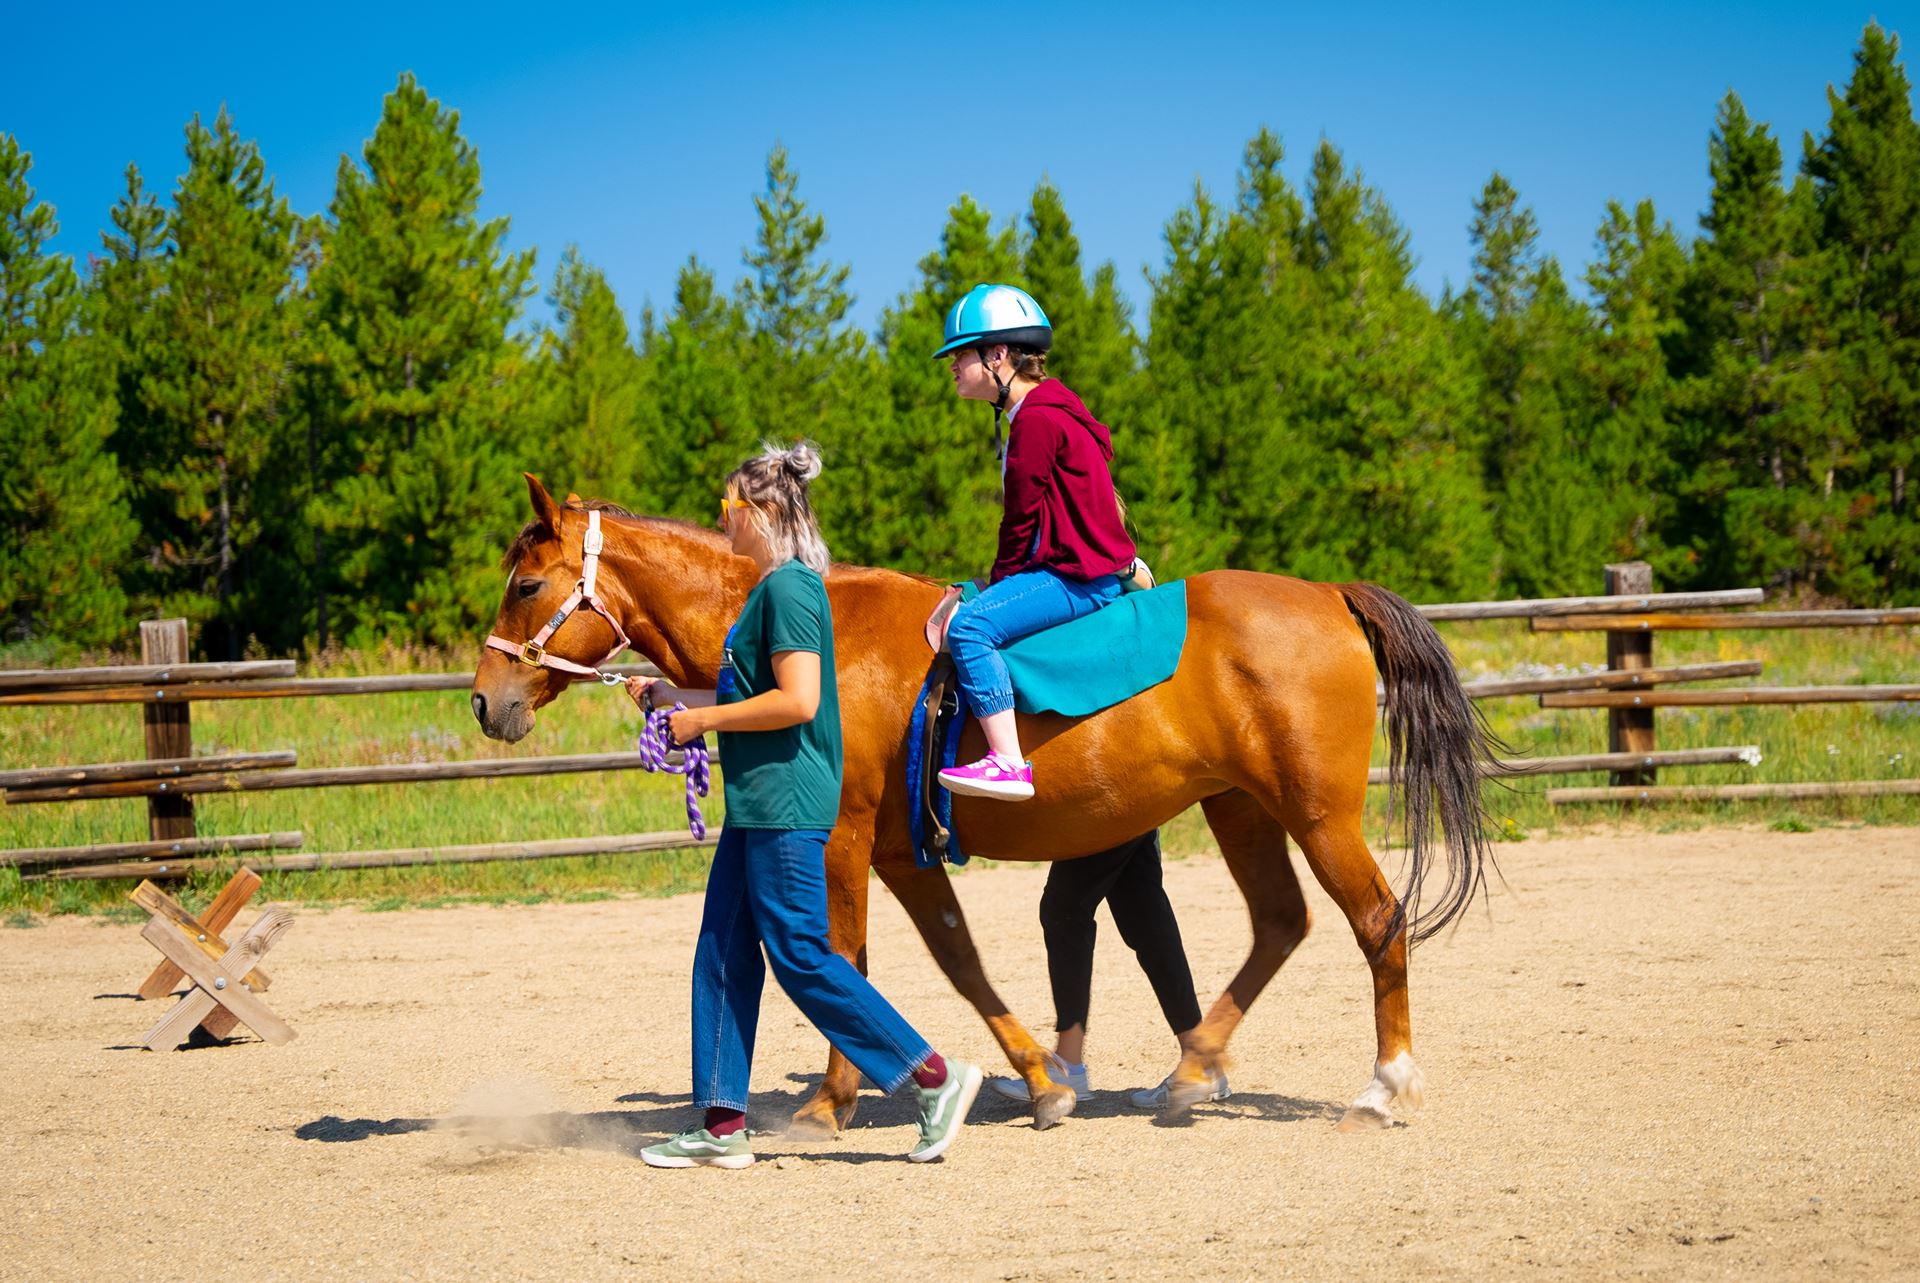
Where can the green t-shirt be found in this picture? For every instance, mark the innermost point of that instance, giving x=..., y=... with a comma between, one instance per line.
x=786, y=779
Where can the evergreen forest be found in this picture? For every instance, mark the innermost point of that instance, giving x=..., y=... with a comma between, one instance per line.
x=300, y=429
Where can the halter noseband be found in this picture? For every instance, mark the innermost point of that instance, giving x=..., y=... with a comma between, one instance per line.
x=533, y=651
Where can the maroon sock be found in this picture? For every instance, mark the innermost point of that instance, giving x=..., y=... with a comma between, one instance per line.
x=933, y=1073
x=722, y=1123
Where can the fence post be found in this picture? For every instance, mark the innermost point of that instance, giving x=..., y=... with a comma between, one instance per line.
x=168, y=730
x=1630, y=730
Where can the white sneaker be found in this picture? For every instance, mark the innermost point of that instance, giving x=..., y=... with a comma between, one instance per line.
x=1072, y=1076
x=1156, y=1097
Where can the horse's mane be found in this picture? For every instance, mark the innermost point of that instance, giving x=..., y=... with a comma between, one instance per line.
x=531, y=534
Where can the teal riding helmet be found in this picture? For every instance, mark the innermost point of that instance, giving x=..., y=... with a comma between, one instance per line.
x=996, y=314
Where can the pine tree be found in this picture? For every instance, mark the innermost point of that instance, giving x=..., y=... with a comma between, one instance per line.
x=421, y=444
x=218, y=383
x=697, y=367
x=1866, y=202
x=807, y=373
x=929, y=483
x=1521, y=330
x=600, y=430
x=1391, y=493
x=1222, y=391
x=1758, y=431
x=1095, y=347
x=128, y=286
x=1636, y=285
x=64, y=524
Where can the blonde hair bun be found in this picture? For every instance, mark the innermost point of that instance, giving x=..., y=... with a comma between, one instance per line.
x=802, y=462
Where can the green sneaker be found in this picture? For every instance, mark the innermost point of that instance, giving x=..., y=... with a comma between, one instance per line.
x=699, y=1147
x=943, y=1109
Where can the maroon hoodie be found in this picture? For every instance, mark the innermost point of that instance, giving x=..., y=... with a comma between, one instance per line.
x=1060, y=511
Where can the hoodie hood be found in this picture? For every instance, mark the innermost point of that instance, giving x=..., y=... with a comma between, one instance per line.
x=1059, y=396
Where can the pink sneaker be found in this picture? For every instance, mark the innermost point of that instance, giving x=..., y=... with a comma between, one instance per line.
x=991, y=776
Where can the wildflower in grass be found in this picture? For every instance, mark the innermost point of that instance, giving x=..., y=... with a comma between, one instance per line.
x=1750, y=755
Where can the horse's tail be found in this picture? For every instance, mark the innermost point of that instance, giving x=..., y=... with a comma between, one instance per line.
x=1438, y=747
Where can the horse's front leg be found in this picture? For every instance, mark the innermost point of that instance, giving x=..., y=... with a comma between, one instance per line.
x=849, y=854
x=927, y=896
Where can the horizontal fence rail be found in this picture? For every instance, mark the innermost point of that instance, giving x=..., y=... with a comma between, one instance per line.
x=338, y=776
x=1548, y=606
x=1593, y=623
x=18, y=679
x=1733, y=792
x=398, y=857
x=148, y=769
x=1580, y=763
x=1602, y=679
x=160, y=850
x=1736, y=695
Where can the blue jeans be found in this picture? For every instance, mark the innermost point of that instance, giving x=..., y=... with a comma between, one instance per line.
x=769, y=887
x=1016, y=607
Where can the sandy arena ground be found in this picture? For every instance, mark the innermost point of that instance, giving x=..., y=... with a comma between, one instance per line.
x=1679, y=1056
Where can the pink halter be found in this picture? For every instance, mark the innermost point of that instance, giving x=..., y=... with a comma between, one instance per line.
x=533, y=651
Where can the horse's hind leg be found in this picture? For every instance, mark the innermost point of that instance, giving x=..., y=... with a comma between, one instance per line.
x=927, y=896
x=1346, y=869
x=1255, y=847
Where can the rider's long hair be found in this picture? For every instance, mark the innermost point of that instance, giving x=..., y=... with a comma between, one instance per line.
x=775, y=483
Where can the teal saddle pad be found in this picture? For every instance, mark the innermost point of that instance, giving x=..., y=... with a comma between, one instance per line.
x=1103, y=658
x=1079, y=668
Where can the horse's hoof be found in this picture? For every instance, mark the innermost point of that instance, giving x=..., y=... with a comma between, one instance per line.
x=1365, y=1118
x=808, y=1124
x=1053, y=1105
x=1183, y=1096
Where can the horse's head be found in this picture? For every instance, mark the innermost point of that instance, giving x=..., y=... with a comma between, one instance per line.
x=540, y=643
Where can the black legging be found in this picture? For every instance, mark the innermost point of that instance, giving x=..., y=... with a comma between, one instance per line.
x=1128, y=879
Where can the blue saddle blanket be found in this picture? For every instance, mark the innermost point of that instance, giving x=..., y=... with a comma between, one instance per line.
x=1076, y=669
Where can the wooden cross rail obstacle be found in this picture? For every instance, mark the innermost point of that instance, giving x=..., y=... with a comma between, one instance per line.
x=192, y=948
x=218, y=985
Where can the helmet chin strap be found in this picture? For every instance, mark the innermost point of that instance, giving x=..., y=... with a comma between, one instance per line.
x=999, y=403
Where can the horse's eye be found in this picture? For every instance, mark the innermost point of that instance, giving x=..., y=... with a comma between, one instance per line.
x=529, y=588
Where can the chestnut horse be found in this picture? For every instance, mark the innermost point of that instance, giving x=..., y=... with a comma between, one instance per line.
x=1268, y=725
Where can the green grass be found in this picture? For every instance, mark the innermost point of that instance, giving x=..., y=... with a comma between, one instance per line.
x=1816, y=742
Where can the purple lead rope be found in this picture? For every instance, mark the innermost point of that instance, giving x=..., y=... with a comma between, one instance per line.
x=656, y=740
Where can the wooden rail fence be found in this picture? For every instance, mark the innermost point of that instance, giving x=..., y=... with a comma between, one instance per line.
x=166, y=686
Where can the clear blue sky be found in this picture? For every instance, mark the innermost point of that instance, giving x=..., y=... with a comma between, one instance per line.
x=639, y=131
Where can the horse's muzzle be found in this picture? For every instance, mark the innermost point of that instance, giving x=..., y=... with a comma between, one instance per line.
x=509, y=720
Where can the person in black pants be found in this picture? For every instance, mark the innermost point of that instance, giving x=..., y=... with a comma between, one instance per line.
x=1128, y=879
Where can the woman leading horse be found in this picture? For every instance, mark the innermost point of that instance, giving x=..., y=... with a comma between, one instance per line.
x=1267, y=725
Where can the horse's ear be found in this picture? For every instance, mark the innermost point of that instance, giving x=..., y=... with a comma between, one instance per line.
x=573, y=500
x=545, y=510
